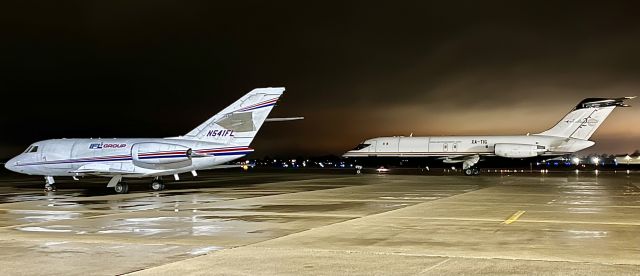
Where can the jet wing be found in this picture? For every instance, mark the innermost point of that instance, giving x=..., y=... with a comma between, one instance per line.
x=231, y=166
x=100, y=170
x=455, y=158
x=466, y=160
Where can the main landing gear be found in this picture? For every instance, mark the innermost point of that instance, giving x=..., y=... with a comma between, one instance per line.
x=121, y=188
x=469, y=165
x=472, y=171
x=157, y=185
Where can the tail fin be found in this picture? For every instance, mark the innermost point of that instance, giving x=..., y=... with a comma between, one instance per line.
x=239, y=123
x=585, y=118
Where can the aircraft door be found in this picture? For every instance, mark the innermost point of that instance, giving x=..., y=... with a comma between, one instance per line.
x=57, y=154
x=390, y=144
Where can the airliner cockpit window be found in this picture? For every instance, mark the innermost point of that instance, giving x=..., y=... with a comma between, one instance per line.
x=28, y=149
x=34, y=149
x=361, y=146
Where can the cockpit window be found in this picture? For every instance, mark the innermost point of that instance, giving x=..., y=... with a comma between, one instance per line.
x=34, y=149
x=361, y=146
x=28, y=149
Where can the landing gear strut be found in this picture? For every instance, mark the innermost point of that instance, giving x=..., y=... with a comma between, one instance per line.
x=50, y=184
x=472, y=171
x=157, y=185
x=121, y=188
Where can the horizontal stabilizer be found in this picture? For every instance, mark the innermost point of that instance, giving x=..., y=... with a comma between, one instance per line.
x=284, y=119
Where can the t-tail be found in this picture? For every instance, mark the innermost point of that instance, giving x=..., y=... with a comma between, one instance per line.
x=585, y=118
x=239, y=123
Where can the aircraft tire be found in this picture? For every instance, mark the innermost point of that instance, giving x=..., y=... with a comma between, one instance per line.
x=121, y=188
x=50, y=188
x=468, y=172
x=157, y=185
x=476, y=171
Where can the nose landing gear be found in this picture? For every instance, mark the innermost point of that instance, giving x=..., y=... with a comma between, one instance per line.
x=50, y=184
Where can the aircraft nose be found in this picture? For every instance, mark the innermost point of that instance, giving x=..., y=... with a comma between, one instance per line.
x=11, y=165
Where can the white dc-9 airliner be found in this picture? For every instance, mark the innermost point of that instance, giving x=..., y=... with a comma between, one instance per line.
x=223, y=138
x=569, y=135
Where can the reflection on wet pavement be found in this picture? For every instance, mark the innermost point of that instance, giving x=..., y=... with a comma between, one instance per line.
x=565, y=218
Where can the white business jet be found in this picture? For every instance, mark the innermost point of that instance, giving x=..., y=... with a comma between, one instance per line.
x=569, y=135
x=224, y=137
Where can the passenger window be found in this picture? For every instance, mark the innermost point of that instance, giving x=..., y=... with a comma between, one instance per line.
x=34, y=149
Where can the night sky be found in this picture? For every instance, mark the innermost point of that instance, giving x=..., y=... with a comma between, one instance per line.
x=354, y=69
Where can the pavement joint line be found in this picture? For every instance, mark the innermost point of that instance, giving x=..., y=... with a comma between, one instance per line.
x=450, y=256
x=555, y=204
x=561, y=196
x=514, y=217
x=523, y=220
x=65, y=211
x=90, y=239
x=430, y=255
x=360, y=200
x=435, y=266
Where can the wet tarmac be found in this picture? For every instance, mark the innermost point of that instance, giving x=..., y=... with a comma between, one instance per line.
x=283, y=222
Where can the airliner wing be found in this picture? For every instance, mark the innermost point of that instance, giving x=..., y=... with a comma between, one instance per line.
x=455, y=158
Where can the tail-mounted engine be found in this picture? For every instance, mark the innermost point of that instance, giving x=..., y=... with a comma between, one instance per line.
x=518, y=150
x=160, y=156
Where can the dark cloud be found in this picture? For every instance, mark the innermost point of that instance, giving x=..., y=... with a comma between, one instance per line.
x=355, y=69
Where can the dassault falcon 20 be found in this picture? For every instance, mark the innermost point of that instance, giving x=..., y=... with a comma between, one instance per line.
x=224, y=137
x=569, y=135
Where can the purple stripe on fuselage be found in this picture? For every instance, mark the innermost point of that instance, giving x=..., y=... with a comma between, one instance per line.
x=230, y=151
x=162, y=156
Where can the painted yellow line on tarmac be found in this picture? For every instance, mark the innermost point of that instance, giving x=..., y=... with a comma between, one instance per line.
x=513, y=217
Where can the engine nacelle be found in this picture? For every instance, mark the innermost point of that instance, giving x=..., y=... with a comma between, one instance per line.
x=160, y=155
x=518, y=150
